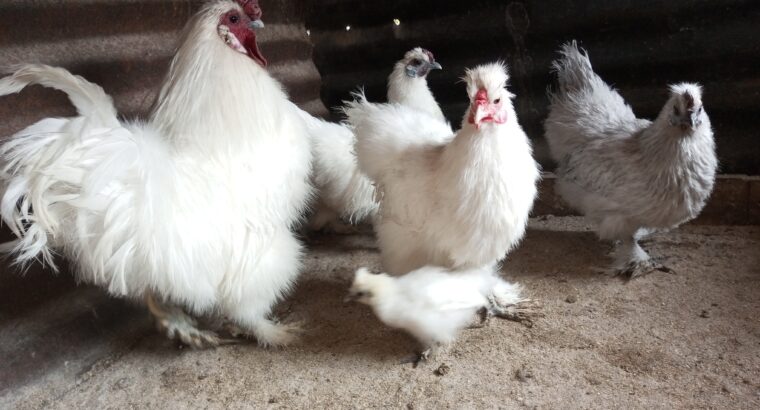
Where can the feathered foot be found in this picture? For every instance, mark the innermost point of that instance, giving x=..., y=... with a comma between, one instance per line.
x=523, y=311
x=632, y=261
x=430, y=353
x=482, y=320
x=179, y=325
x=638, y=268
x=272, y=334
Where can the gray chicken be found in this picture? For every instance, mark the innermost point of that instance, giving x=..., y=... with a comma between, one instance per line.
x=629, y=176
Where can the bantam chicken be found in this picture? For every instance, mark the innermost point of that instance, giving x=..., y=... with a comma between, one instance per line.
x=457, y=201
x=408, y=86
x=630, y=176
x=431, y=303
x=193, y=208
x=344, y=192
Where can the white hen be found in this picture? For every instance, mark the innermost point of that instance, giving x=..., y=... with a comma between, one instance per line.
x=630, y=176
x=344, y=192
x=408, y=86
x=458, y=201
x=193, y=208
x=431, y=303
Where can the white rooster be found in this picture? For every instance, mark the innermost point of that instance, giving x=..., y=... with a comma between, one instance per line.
x=193, y=208
x=345, y=193
x=456, y=201
x=630, y=176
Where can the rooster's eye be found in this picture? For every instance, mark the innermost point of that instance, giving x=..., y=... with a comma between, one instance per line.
x=234, y=19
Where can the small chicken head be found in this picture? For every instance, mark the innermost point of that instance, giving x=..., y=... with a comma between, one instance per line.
x=489, y=98
x=367, y=286
x=237, y=25
x=686, y=110
x=419, y=62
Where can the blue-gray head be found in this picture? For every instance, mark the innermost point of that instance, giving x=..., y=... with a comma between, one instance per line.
x=419, y=62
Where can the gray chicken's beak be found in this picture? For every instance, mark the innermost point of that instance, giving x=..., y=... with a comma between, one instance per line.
x=436, y=66
x=256, y=24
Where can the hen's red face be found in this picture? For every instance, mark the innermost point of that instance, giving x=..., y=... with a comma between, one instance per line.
x=483, y=110
x=238, y=30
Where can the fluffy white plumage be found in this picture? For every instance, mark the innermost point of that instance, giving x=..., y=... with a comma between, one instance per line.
x=630, y=176
x=193, y=208
x=453, y=200
x=344, y=192
x=431, y=303
x=408, y=86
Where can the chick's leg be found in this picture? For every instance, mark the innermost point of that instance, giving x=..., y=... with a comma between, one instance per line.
x=179, y=325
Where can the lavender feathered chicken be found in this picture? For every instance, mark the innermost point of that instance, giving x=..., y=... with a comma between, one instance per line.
x=629, y=176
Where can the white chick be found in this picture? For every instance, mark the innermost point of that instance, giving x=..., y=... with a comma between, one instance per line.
x=431, y=303
x=630, y=176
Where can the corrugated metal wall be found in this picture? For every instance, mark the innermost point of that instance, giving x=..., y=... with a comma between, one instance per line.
x=126, y=45
x=639, y=46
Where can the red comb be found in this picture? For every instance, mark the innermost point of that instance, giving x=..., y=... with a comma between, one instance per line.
x=251, y=8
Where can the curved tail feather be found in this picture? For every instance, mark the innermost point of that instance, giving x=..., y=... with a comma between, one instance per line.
x=89, y=99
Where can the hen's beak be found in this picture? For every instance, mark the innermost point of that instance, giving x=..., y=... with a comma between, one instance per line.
x=256, y=24
x=351, y=297
x=436, y=66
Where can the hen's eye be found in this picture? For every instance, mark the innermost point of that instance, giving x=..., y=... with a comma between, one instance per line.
x=675, y=111
x=496, y=101
x=416, y=61
x=234, y=19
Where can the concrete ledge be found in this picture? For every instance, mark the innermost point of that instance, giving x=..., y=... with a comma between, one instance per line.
x=734, y=201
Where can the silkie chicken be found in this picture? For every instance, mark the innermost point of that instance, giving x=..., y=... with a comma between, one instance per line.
x=630, y=176
x=457, y=201
x=408, y=86
x=344, y=192
x=193, y=208
x=431, y=303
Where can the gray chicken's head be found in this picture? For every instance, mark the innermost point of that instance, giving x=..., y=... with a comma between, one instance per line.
x=418, y=63
x=684, y=107
x=236, y=23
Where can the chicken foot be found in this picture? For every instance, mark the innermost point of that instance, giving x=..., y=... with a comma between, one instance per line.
x=179, y=325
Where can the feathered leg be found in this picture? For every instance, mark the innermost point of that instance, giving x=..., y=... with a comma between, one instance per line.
x=632, y=261
x=505, y=302
x=271, y=278
x=179, y=325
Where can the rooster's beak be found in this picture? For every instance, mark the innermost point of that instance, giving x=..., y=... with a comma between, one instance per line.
x=255, y=24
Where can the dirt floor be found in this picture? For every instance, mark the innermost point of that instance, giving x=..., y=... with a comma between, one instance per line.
x=685, y=340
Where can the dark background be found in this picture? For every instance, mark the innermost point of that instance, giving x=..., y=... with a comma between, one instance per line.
x=638, y=46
